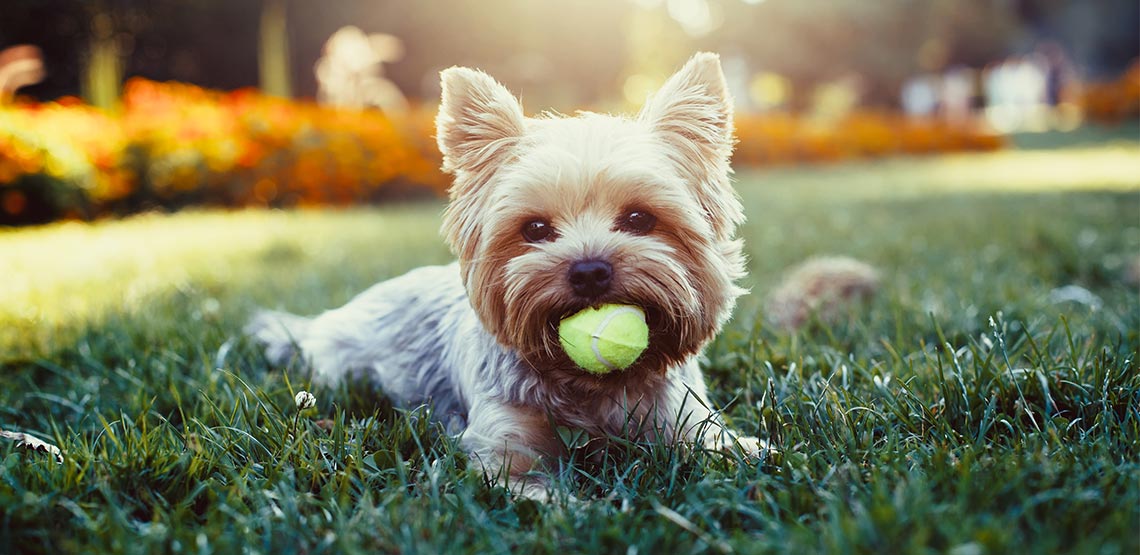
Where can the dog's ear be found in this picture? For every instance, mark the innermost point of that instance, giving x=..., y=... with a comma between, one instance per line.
x=692, y=113
x=479, y=120
x=695, y=105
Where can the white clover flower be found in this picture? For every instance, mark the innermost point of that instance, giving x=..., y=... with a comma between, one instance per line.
x=305, y=400
x=30, y=443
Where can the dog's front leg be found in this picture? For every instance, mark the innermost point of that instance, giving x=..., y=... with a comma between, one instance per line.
x=512, y=444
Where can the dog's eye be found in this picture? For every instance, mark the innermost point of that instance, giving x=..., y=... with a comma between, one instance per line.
x=537, y=231
x=637, y=222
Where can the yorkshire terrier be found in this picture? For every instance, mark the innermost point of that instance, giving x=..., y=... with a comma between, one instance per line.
x=547, y=216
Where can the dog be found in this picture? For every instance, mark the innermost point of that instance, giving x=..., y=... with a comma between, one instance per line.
x=548, y=216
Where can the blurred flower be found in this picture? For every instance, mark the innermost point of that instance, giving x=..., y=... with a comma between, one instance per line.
x=305, y=400
x=1115, y=101
x=175, y=144
x=780, y=138
x=32, y=443
x=351, y=72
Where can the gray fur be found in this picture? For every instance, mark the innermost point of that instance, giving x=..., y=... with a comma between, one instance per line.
x=411, y=334
x=418, y=337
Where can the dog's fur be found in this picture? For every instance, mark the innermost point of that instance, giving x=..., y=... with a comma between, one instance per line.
x=822, y=286
x=478, y=338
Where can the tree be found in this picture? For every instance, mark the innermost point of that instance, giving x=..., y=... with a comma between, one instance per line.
x=273, y=52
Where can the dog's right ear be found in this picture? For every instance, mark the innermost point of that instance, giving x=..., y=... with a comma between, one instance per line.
x=478, y=125
x=479, y=120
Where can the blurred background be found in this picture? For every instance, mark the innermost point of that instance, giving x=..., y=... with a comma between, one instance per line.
x=116, y=106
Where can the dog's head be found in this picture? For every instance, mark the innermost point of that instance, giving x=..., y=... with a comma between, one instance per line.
x=552, y=214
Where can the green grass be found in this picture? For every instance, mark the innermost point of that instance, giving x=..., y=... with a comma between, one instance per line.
x=913, y=425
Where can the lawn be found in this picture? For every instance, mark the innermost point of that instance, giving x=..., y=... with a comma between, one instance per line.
x=972, y=407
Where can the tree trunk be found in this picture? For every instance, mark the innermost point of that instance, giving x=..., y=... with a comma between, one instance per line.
x=273, y=58
x=103, y=71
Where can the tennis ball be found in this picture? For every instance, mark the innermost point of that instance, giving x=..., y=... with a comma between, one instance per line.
x=603, y=339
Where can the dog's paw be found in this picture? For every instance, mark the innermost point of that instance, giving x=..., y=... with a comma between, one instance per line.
x=747, y=446
x=753, y=447
x=538, y=489
x=278, y=333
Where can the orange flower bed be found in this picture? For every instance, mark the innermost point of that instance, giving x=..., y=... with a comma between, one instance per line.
x=72, y=147
x=1115, y=101
x=784, y=138
x=246, y=148
x=173, y=145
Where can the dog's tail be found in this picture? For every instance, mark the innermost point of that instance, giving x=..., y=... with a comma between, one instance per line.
x=280, y=332
x=822, y=286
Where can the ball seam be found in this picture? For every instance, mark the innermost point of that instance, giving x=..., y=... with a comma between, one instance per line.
x=596, y=334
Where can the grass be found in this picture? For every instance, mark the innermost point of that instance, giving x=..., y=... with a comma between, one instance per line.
x=965, y=410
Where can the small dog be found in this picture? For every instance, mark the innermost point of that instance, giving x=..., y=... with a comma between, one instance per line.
x=548, y=216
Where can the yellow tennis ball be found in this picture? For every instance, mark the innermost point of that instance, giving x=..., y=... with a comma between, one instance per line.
x=604, y=339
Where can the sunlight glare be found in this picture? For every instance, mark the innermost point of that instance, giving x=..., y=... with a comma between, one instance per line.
x=694, y=16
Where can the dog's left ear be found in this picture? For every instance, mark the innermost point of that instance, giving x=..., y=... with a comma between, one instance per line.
x=692, y=112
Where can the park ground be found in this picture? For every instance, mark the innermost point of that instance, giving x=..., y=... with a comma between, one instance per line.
x=986, y=401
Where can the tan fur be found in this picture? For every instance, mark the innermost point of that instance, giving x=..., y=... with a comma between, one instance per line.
x=581, y=174
x=820, y=286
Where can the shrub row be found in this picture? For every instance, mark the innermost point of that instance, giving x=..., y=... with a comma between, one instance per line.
x=1114, y=101
x=785, y=138
x=173, y=145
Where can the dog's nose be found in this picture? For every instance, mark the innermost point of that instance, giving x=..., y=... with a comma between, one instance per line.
x=590, y=278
